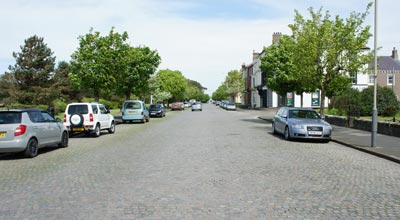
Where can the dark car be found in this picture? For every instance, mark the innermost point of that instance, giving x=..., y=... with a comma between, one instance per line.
x=157, y=110
x=301, y=123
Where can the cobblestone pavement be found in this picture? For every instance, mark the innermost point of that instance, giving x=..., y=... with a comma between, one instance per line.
x=212, y=164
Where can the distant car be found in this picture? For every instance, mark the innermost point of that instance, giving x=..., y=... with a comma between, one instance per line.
x=301, y=123
x=89, y=118
x=197, y=106
x=157, y=110
x=135, y=110
x=177, y=106
x=230, y=106
x=28, y=130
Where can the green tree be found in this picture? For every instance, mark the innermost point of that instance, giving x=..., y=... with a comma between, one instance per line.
x=141, y=63
x=221, y=93
x=174, y=82
x=194, y=90
x=30, y=76
x=349, y=102
x=331, y=49
x=279, y=68
x=155, y=91
x=99, y=62
x=234, y=84
x=62, y=85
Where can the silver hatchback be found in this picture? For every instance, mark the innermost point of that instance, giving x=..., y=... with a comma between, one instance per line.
x=28, y=130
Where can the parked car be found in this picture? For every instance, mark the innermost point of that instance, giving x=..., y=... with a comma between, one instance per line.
x=89, y=118
x=197, y=107
x=177, y=106
x=28, y=130
x=299, y=123
x=135, y=110
x=157, y=110
x=230, y=106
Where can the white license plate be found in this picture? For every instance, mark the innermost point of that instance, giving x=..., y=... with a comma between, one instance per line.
x=315, y=132
x=152, y=113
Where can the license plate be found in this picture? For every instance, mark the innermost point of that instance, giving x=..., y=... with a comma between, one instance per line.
x=315, y=132
x=133, y=112
x=78, y=129
x=152, y=113
x=2, y=134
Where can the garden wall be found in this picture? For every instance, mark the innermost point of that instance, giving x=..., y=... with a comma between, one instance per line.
x=387, y=128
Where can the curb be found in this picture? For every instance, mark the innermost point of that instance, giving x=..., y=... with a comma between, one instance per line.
x=396, y=160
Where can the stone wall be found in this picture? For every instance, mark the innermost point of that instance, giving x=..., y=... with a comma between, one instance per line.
x=387, y=128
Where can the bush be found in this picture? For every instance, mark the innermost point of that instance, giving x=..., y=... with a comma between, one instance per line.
x=390, y=111
x=385, y=98
x=349, y=103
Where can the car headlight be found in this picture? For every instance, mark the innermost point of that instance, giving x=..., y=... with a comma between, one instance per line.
x=297, y=126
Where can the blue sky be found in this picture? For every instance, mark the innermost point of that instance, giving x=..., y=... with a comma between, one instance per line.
x=204, y=39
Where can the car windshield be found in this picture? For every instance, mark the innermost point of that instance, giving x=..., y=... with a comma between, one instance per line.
x=132, y=105
x=155, y=106
x=78, y=109
x=298, y=113
x=10, y=117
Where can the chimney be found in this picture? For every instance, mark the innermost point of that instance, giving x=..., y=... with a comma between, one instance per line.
x=255, y=55
x=275, y=38
x=394, y=54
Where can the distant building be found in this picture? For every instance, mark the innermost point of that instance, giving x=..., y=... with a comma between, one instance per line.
x=388, y=72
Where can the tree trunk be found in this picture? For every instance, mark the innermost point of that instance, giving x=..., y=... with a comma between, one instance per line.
x=301, y=99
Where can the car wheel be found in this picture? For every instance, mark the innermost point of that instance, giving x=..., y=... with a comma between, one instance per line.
x=273, y=128
x=31, y=148
x=111, y=130
x=64, y=140
x=143, y=120
x=97, y=131
x=287, y=134
x=148, y=119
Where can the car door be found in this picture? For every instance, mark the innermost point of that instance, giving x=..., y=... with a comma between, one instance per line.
x=52, y=127
x=281, y=120
x=104, y=117
x=39, y=127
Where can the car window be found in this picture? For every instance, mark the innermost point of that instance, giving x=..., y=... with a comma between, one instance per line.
x=133, y=105
x=47, y=117
x=10, y=117
x=95, y=109
x=155, y=106
x=78, y=109
x=309, y=114
x=36, y=116
x=103, y=109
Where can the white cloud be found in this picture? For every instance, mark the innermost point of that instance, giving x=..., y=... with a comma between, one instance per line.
x=203, y=49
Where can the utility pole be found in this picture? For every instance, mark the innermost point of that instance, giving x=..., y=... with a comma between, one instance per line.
x=374, y=109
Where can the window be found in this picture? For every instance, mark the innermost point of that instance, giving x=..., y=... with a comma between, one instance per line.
x=390, y=79
x=371, y=79
x=353, y=78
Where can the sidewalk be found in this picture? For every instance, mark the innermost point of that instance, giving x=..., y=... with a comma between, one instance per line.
x=387, y=147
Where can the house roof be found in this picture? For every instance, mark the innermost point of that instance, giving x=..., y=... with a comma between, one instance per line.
x=386, y=63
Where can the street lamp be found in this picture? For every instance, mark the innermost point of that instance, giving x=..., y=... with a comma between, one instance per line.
x=374, y=109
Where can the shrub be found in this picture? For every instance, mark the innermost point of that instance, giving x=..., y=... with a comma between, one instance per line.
x=385, y=98
x=349, y=103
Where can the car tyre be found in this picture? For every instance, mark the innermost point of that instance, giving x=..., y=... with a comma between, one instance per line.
x=273, y=128
x=64, y=140
x=31, y=148
x=111, y=130
x=287, y=134
x=148, y=119
x=97, y=131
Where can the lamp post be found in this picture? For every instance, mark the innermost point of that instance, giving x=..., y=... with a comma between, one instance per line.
x=374, y=109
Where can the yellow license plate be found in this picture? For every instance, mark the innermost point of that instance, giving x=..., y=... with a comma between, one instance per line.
x=2, y=134
x=78, y=129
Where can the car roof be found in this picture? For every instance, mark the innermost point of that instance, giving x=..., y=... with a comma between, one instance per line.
x=22, y=110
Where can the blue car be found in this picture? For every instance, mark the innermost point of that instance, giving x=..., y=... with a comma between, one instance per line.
x=135, y=110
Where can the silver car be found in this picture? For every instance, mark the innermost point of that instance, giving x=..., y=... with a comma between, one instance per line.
x=28, y=130
x=299, y=123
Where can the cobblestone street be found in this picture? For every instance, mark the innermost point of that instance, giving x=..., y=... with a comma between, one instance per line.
x=213, y=164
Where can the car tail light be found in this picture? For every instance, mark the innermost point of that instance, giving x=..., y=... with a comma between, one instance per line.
x=20, y=130
x=65, y=118
x=91, y=117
